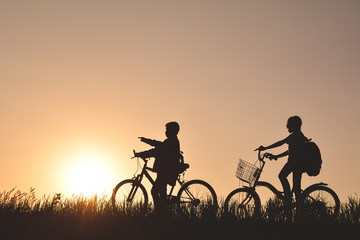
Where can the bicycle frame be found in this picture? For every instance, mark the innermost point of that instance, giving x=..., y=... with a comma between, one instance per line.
x=187, y=194
x=270, y=186
x=144, y=172
x=140, y=176
x=247, y=195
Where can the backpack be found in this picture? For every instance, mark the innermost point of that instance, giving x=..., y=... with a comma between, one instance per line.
x=312, y=159
x=181, y=165
x=179, y=168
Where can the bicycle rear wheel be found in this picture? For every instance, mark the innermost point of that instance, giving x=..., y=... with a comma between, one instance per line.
x=197, y=193
x=129, y=195
x=243, y=203
x=319, y=200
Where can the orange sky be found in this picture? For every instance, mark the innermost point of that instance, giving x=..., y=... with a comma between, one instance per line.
x=89, y=77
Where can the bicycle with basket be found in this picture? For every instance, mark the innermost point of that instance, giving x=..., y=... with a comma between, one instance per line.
x=246, y=200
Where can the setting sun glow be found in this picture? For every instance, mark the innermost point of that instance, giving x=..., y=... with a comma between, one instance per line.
x=89, y=174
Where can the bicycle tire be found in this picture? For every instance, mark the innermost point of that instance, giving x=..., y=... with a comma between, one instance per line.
x=197, y=193
x=129, y=194
x=321, y=199
x=271, y=198
x=243, y=202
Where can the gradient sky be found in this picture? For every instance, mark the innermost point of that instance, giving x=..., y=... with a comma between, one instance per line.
x=87, y=77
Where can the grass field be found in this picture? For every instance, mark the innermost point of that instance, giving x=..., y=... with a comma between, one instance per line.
x=23, y=216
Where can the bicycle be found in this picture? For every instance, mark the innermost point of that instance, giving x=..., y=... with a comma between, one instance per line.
x=246, y=200
x=131, y=192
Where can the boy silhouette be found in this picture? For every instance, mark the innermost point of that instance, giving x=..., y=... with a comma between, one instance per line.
x=166, y=165
x=296, y=141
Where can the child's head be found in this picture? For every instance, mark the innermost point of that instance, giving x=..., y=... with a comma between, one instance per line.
x=294, y=124
x=172, y=129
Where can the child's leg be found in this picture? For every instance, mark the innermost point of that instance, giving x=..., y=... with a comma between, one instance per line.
x=155, y=193
x=297, y=189
x=297, y=184
x=284, y=173
x=158, y=192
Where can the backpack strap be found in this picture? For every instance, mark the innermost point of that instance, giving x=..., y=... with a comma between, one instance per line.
x=307, y=139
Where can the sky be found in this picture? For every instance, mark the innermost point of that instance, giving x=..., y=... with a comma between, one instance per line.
x=81, y=80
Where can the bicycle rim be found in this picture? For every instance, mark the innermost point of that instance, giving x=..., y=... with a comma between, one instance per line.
x=321, y=200
x=197, y=193
x=243, y=203
x=129, y=194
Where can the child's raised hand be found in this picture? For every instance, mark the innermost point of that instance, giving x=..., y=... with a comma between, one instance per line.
x=270, y=156
x=261, y=148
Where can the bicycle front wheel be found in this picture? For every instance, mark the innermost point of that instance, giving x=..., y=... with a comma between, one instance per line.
x=320, y=200
x=129, y=195
x=243, y=203
x=197, y=193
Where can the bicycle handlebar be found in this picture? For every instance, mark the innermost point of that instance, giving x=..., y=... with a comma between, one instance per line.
x=265, y=155
x=144, y=159
x=134, y=154
x=261, y=158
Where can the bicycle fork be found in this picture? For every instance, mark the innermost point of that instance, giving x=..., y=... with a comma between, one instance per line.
x=134, y=188
x=192, y=198
x=132, y=193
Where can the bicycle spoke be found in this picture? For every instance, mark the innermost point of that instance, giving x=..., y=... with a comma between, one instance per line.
x=128, y=194
x=322, y=201
x=197, y=193
x=242, y=203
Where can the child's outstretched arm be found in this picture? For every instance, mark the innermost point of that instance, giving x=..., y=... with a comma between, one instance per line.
x=277, y=144
x=146, y=154
x=151, y=142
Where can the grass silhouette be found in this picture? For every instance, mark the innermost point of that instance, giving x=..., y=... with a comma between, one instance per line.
x=23, y=216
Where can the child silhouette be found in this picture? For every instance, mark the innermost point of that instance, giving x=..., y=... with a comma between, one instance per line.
x=166, y=165
x=296, y=141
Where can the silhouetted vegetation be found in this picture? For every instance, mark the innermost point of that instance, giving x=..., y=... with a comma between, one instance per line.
x=22, y=215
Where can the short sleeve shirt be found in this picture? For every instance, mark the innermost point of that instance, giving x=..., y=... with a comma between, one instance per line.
x=296, y=141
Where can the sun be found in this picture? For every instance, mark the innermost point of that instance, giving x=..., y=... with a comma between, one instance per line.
x=90, y=173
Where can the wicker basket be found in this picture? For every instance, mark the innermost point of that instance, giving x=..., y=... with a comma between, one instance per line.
x=247, y=172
